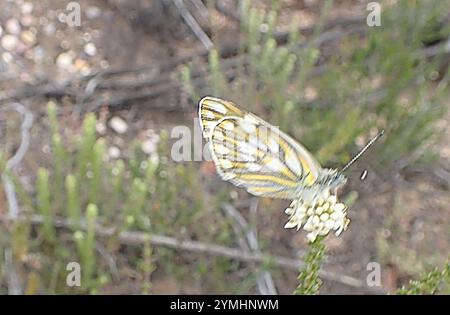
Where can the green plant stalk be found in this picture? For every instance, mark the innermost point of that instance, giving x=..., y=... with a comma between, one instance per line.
x=147, y=266
x=428, y=283
x=186, y=81
x=73, y=200
x=136, y=201
x=59, y=155
x=98, y=153
x=85, y=146
x=52, y=113
x=89, y=245
x=218, y=78
x=117, y=184
x=44, y=203
x=309, y=281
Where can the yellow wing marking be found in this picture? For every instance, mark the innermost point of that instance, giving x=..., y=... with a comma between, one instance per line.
x=271, y=178
x=310, y=178
x=212, y=109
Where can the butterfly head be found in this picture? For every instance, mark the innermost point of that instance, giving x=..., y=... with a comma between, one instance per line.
x=332, y=179
x=328, y=183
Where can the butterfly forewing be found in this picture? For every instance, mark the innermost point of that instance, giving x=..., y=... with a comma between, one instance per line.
x=212, y=109
x=253, y=154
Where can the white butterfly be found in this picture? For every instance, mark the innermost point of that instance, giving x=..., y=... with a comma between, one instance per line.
x=257, y=156
x=253, y=154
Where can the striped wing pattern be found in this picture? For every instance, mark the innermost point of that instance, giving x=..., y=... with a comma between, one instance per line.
x=253, y=154
x=212, y=109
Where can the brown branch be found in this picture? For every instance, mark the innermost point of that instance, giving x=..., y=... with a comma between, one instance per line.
x=159, y=74
x=135, y=238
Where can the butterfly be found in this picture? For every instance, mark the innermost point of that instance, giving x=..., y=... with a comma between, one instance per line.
x=253, y=154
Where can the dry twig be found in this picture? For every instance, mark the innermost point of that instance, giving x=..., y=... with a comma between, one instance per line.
x=14, y=286
x=249, y=242
x=192, y=23
x=134, y=238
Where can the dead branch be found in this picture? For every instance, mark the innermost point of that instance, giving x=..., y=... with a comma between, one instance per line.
x=135, y=238
x=193, y=25
x=14, y=281
x=249, y=242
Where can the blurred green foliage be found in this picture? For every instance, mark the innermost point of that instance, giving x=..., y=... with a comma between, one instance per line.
x=384, y=80
x=81, y=185
x=433, y=282
x=381, y=81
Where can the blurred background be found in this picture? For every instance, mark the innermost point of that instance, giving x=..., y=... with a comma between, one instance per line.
x=90, y=91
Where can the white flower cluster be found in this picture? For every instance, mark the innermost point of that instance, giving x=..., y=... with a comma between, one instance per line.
x=319, y=217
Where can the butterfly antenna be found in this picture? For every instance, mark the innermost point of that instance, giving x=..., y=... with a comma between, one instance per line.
x=362, y=151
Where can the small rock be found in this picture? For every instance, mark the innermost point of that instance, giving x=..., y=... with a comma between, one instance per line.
x=118, y=125
x=28, y=38
x=27, y=20
x=26, y=8
x=90, y=49
x=82, y=66
x=21, y=48
x=100, y=127
x=150, y=144
x=39, y=53
x=49, y=29
x=9, y=42
x=7, y=57
x=64, y=60
x=13, y=26
x=93, y=12
x=113, y=153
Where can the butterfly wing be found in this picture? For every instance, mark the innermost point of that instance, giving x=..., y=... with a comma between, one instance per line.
x=212, y=109
x=253, y=154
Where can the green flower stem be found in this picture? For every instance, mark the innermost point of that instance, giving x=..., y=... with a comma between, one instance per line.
x=309, y=281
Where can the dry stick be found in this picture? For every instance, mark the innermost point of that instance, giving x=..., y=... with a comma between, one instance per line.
x=202, y=10
x=14, y=286
x=139, y=238
x=192, y=23
x=14, y=161
x=249, y=243
x=163, y=84
x=230, y=50
x=236, y=61
x=199, y=78
x=163, y=69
